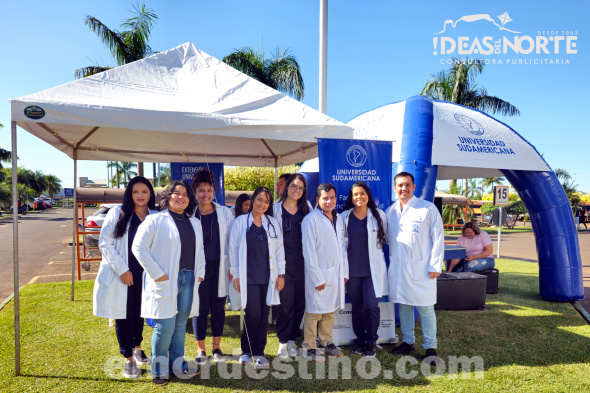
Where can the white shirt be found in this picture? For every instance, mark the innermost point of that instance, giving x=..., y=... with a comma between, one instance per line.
x=326, y=262
x=157, y=249
x=109, y=299
x=416, y=245
x=376, y=256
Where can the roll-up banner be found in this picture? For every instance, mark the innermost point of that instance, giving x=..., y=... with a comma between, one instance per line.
x=185, y=171
x=343, y=162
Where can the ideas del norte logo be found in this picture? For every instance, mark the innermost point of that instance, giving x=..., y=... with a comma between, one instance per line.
x=544, y=47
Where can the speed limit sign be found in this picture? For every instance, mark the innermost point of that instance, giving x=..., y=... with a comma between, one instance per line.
x=501, y=195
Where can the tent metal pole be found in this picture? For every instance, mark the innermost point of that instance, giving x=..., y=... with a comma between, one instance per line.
x=323, y=55
x=75, y=223
x=15, y=250
x=275, y=185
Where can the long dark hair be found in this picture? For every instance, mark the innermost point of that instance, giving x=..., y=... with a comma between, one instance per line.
x=371, y=205
x=165, y=198
x=239, y=207
x=129, y=205
x=268, y=211
x=302, y=206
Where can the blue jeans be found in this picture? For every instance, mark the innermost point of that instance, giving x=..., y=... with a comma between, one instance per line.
x=169, y=334
x=427, y=320
x=477, y=265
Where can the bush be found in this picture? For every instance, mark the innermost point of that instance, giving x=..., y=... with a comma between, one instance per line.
x=243, y=178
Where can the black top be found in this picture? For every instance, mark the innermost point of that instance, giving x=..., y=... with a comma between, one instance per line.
x=294, y=268
x=134, y=267
x=188, y=240
x=358, y=247
x=210, y=227
x=258, y=265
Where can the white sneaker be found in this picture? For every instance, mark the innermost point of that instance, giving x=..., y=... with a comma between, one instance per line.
x=283, y=351
x=292, y=348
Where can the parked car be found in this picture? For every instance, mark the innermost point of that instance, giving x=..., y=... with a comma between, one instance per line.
x=96, y=220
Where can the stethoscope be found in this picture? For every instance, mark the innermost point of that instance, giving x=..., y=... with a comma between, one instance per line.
x=270, y=224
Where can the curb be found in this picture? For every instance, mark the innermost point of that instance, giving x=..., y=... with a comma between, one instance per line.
x=9, y=298
x=581, y=311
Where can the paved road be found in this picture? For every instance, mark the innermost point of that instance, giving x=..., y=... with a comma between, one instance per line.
x=45, y=254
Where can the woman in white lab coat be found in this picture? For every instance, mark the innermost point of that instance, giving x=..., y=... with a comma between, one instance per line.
x=257, y=268
x=169, y=246
x=366, y=228
x=289, y=212
x=215, y=222
x=118, y=285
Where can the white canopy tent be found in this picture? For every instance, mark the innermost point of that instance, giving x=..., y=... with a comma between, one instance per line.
x=178, y=105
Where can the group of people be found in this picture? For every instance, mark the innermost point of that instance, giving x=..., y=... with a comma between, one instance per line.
x=184, y=260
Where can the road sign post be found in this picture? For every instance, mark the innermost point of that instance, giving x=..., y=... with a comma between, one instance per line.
x=500, y=199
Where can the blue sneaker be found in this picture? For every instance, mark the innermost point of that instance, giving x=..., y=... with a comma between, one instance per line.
x=245, y=358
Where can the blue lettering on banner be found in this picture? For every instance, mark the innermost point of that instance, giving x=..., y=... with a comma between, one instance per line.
x=483, y=146
x=344, y=162
x=185, y=171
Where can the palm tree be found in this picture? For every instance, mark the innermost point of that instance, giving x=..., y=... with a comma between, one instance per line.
x=281, y=72
x=457, y=85
x=126, y=46
x=53, y=185
x=5, y=155
x=127, y=173
x=492, y=181
x=116, y=179
x=571, y=189
x=472, y=190
x=164, y=175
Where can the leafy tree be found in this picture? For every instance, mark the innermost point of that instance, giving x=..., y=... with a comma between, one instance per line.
x=243, y=178
x=126, y=46
x=281, y=71
x=571, y=189
x=165, y=175
x=493, y=181
x=457, y=85
x=53, y=185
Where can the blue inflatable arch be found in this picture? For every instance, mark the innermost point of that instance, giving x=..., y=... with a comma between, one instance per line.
x=556, y=237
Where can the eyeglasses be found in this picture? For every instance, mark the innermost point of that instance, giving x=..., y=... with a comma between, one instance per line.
x=297, y=189
x=259, y=232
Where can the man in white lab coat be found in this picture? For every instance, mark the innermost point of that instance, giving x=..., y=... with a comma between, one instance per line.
x=416, y=239
x=326, y=272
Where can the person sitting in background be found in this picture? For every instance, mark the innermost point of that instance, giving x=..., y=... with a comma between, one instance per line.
x=479, y=250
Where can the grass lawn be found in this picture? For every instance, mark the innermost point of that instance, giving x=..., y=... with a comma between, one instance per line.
x=526, y=344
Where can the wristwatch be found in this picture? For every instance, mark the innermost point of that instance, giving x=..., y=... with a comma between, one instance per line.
x=281, y=276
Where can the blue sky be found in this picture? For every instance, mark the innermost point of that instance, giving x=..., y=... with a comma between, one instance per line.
x=378, y=52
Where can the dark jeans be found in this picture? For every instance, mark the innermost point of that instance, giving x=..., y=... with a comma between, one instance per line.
x=210, y=302
x=130, y=330
x=366, y=314
x=291, y=310
x=255, y=320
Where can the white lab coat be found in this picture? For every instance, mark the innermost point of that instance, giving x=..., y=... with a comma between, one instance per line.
x=238, y=258
x=157, y=248
x=416, y=245
x=376, y=256
x=109, y=298
x=326, y=262
x=224, y=219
